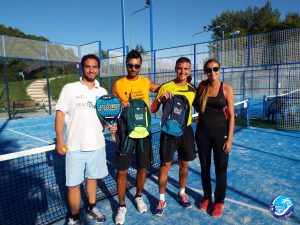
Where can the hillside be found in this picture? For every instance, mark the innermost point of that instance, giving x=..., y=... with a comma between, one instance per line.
x=17, y=33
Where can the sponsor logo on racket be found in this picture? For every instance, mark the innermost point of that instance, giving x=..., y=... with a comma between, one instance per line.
x=109, y=107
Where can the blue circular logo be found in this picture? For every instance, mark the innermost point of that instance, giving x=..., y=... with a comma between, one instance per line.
x=282, y=207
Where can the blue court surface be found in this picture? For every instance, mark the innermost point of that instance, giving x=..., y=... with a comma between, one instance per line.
x=26, y=133
x=263, y=164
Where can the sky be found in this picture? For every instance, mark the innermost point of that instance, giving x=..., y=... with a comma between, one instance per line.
x=77, y=22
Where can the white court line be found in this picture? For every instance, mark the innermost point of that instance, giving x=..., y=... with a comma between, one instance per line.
x=30, y=136
x=232, y=200
x=237, y=202
x=28, y=152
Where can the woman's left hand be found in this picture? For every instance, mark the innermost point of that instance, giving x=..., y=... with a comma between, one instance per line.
x=227, y=146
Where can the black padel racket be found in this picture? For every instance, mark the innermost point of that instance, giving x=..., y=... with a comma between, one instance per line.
x=109, y=109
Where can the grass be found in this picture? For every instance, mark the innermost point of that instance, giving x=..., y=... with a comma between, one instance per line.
x=57, y=84
x=17, y=92
x=17, y=89
x=262, y=124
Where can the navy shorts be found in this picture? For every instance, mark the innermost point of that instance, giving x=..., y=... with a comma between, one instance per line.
x=184, y=145
x=143, y=151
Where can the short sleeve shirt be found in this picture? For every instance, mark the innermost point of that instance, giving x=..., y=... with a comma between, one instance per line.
x=187, y=90
x=133, y=89
x=84, y=129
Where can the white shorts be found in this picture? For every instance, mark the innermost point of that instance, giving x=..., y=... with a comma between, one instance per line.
x=85, y=164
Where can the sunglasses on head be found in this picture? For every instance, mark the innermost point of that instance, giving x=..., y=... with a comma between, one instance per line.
x=209, y=70
x=137, y=66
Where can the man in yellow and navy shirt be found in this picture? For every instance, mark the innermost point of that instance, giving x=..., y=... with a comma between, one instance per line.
x=133, y=86
x=183, y=144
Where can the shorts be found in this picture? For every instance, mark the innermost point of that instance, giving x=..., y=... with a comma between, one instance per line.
x=85, y=164
x=184, y=145
x=143, y=151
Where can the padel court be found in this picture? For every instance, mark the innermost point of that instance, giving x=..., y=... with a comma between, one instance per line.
x=263, y=164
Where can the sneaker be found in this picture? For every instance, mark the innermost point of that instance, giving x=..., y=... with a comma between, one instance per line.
x=218, y=210
x=184, y=201
x=71, y=221
x=96, y=215
x=120, y=217
x=204, y=203
x=159, y=211
x=140, y=204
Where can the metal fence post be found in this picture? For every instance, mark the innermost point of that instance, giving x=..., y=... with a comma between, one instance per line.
x=276, y=94
x=108, y=68
x=100, y=58
x=195, y=63
x=46, y=61
x=5, y=76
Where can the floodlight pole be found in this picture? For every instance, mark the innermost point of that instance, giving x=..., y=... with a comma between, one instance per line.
x=151, y=38
x=130, y=24
x=123, y=35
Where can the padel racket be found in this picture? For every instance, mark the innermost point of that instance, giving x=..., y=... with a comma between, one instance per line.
x=109, y=109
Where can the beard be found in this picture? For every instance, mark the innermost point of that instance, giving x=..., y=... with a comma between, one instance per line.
x=89, y=78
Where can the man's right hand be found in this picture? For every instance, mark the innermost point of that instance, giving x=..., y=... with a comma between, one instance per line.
x=61, y=147
x=167, y=95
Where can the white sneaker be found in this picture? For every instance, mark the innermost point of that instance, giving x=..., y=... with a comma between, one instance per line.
x=120, y=217
x=74, y=222
x=140, y=204
x=96, y=215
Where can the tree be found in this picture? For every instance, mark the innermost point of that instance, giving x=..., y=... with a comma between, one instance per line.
x=104, y=54
x=140, y=48
x=291, y=20
x=253, y=20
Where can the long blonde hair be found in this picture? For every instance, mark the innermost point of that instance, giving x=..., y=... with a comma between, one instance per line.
x=203, y=87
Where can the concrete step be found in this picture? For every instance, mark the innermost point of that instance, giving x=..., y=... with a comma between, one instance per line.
x=45, y=100
x=38, y=96
x=35, y=89
x=34, y=92
x=40, y=81
x=37, y=93
x=36, y=86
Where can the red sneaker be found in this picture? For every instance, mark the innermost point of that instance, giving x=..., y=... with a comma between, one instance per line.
x=218, y=210
x=204, y=204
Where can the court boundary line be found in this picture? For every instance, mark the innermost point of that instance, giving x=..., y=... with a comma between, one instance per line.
x=29, y=152
x=237, y=202
x=229, y=200
x=26, y=135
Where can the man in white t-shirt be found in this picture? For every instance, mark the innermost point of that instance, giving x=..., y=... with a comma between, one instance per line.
x=85, y=145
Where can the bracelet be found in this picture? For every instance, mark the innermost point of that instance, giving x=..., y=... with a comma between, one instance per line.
x=158, y=100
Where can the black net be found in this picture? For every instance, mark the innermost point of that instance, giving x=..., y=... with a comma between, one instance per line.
x=284, y=110
x=32, y=183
